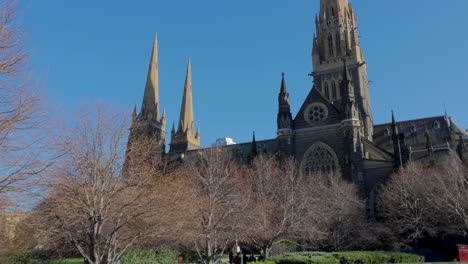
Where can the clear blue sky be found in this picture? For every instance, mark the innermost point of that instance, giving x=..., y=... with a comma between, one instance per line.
x=87, y=51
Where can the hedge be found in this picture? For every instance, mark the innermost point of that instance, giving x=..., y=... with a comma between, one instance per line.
x=355, y=257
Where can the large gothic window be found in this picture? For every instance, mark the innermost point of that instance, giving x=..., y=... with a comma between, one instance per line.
x=338, y=43
x=320, y=158
x=330, y=45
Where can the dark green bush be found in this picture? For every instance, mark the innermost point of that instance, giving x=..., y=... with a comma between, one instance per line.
x=356, y=257
x=363, y=257
x=162, y=255
x=306, y=258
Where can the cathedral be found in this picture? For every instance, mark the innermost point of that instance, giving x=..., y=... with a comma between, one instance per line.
x=333, y=130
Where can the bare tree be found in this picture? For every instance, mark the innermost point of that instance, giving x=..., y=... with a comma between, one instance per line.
x=406, y=203
x=22, y=116
x=209, y=214
x=90, y=203
x=279, y=201
x=338, y=213
x=449, y=194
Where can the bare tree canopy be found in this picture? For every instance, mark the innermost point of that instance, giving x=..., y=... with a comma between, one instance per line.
x=209, y=212
x=426, y=201
x=22, y=115
x=90, y=203
x=279, y=201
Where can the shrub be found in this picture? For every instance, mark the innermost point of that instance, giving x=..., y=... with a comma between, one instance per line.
x=306, y=258
x=356, y=257
x=162, y=255
x=363, y=257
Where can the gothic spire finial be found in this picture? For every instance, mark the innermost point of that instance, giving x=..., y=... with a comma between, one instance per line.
x=284, y=89
x=134, y=114
x=186, y=112
x=394, y=127
x=149, y=107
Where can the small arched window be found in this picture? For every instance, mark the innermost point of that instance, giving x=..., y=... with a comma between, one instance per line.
x=334, y=94
x=338, y=43
x=436, y=125
x=327, y=91
x=387, y=132
x=330, y=45
x=332, y=11
x=353, y=38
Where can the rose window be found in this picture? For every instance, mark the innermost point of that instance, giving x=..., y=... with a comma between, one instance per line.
x=316, y=113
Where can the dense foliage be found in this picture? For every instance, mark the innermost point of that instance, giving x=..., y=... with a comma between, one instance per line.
x=162, y=255
x=352, y=257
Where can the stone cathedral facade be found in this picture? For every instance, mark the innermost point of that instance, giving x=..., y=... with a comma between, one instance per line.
x=334, y=128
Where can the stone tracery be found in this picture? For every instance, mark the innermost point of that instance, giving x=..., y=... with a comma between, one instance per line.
x=320, y=157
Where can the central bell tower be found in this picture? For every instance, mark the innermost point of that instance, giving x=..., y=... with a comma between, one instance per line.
x=337, y=40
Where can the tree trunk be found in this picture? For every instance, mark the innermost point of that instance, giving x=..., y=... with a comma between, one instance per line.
x=266, y=252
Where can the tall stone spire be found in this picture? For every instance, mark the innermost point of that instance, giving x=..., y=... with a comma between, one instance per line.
x=284, y=119
x=186, y=138
x=150, y=104
x=186, y=122
x=148, y=126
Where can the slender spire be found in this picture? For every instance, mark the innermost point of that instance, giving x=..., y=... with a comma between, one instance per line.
x=283, y=98
x=163, y=119
x=149, y=107
x=253, y=151
x=186, y=111
x=134, y=114
x=284, y=89
x=394, y=127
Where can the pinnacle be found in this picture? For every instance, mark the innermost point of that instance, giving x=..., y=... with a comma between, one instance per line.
x=186, y=111
x=149, y=107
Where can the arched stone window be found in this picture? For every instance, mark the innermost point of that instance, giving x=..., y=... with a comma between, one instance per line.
x=320, y=158
x=353, y=38
x=334, y=93
x=327, y=91
x=330, y=45
x=338, y=43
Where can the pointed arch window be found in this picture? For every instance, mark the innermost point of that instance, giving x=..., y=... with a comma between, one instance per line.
x=332, y=11
x=334, y=93
x=338, y=43
x=327, y=91
x=320, y=158
x=330, y=45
